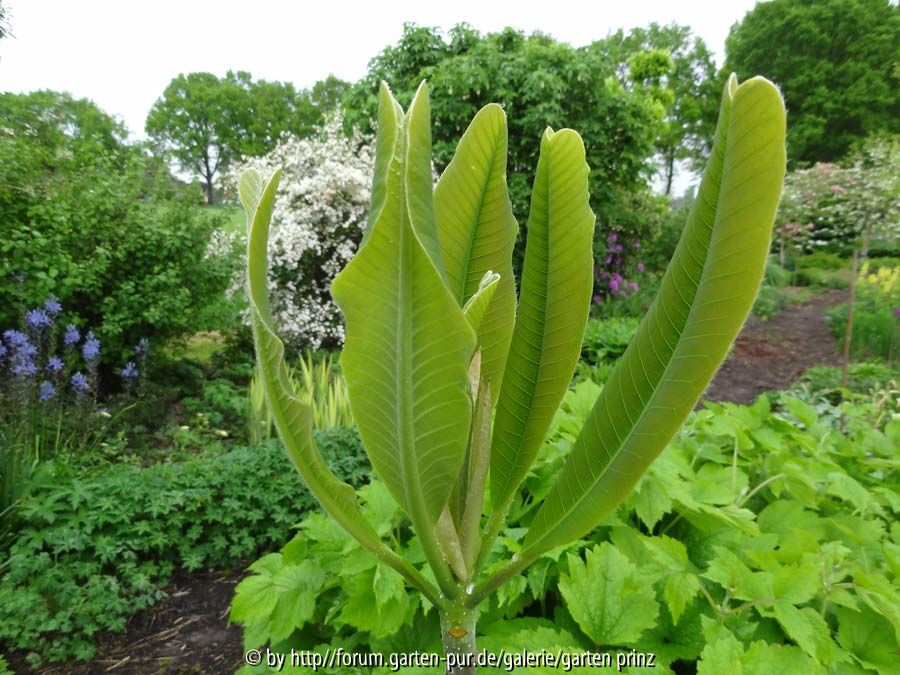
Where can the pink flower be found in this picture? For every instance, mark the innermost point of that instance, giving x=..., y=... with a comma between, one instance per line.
x=633, y=286
x=839, y=189
x=640, y=267
x=613, y=285
x=636, y=244
x=613, y=236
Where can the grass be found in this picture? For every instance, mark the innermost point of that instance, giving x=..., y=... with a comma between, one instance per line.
x=233, y=216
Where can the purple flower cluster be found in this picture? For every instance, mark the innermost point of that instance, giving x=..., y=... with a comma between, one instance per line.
x=21, y=353
x=90, y=350
x=612, y=274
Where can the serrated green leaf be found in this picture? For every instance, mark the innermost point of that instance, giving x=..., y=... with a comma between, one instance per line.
x=778, y=660
x=254, y=599
x=387, y=585
x=704, y=297
x=681, y=582
x=722, y=656
x=408, y=345
x=607, y=596
x=868, y=637
x=552, y=311
x=651, y=501
x=730, y=572
x=809, y=630
x=477, y=231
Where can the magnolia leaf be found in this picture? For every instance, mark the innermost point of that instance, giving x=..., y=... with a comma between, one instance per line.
x=408, y=345
x=552, y=312
x=476, y=308
x=705, y=296
x=390, y=116
x=477, y=231
x=607, y=597
x=293, y=417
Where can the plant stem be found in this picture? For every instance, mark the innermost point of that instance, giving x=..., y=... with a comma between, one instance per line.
x=458, y=637
x=515, y=565
x=478, y=470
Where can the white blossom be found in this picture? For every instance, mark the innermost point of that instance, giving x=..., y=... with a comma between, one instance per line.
x=317, y=222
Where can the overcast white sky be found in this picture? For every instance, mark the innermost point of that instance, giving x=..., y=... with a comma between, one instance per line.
x=123, y=53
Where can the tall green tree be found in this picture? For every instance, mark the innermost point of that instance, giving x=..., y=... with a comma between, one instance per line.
x=539, y=82
x=205, y=122
x=837, y=63
x=677, y=68
x=4, y=21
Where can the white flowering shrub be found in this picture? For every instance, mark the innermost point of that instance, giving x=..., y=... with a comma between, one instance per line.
x=318, y=221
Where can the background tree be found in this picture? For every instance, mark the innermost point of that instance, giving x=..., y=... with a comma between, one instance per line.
x=539, y=82
x=837, y=63
x=205, y=123
x=100, y=225
x=4, y=21
x=692, y=101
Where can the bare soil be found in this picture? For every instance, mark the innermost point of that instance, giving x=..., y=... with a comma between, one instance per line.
x=772, y=354
x=188, y=632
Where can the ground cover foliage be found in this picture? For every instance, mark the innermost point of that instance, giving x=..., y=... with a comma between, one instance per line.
x=91, y=550
x=764, y=537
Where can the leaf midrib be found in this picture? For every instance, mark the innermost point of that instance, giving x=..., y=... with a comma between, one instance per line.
x=464, y=277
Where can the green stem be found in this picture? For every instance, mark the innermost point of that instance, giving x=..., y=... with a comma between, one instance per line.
x=458, y=637
x=469, y=527
x=515, y=565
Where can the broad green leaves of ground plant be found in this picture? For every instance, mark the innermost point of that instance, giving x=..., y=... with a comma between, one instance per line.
x=704, y=298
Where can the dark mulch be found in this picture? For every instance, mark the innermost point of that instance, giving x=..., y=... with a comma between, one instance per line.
x=772, y=354
x=188, y=632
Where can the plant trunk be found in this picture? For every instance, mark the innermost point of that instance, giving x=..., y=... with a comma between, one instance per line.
x=848, y=332
x=458, y=636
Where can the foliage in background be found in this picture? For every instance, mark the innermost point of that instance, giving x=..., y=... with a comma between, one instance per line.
x=876, y=314
x=319, y=217
x=689, y=78
x=763, y=535
x=539, y=82
x=841, y=208
x=835, y=61
x=98, y=224
x=93, y=550
x=205, y=122
x=318, y=383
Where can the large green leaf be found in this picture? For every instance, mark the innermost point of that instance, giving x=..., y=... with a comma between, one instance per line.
x=477, y=231
x=408, y=345
x=390, y=116
x=552, y=312
x=704, y=298
x=293, y=418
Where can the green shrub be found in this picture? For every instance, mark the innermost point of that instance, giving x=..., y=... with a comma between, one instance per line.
x=96, y=223
x=820, y=260
x=884, y=249
x=864, y=377
x=95, y=549
x=876, y=331
x=606, y=339
x=776, y=275
x=875, y=264
x=769, y=302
